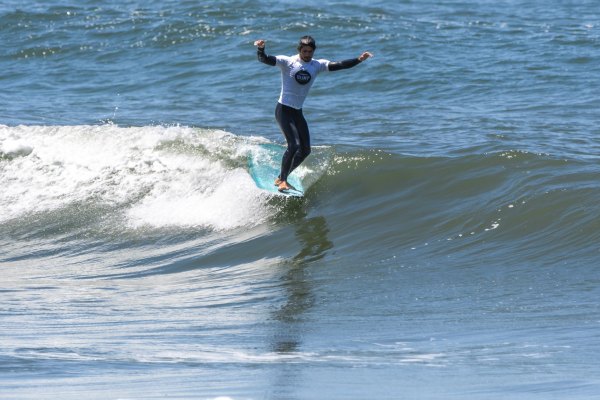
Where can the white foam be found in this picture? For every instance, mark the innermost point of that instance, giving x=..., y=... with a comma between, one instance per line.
x=154, y=176
x=229, y=200
x=10, y=148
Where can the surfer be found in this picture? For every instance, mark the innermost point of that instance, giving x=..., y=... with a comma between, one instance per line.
x=298, y=73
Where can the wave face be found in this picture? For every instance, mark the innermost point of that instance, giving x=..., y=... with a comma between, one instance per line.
x=504, y=205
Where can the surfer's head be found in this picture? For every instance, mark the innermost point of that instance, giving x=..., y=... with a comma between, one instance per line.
x=306, y=48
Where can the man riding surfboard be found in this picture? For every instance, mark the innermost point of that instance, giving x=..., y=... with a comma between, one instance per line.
x=298, y=73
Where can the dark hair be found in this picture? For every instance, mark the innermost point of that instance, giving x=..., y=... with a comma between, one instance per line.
x=307, y=41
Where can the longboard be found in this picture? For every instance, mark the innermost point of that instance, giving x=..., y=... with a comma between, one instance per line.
x=264, y=165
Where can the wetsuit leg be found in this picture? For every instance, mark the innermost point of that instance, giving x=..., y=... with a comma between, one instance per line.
x=295, y=129
x=304, y=137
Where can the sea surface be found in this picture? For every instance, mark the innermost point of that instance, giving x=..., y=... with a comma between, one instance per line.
x=447, y=247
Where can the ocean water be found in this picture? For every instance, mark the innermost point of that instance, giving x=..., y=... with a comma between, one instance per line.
x=448, y=246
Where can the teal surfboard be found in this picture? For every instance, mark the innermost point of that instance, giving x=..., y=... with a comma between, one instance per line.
x=264, y=164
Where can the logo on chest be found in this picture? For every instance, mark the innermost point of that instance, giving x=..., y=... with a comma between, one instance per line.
x=302, y=77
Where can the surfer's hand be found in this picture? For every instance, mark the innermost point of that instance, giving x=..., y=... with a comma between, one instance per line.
x=364, y=56
x=260, y=44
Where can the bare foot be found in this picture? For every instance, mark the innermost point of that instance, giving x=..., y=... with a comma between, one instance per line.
x=283, y=186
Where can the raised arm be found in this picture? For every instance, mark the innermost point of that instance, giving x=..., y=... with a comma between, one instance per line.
x=352, y=62
x=262, y=56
